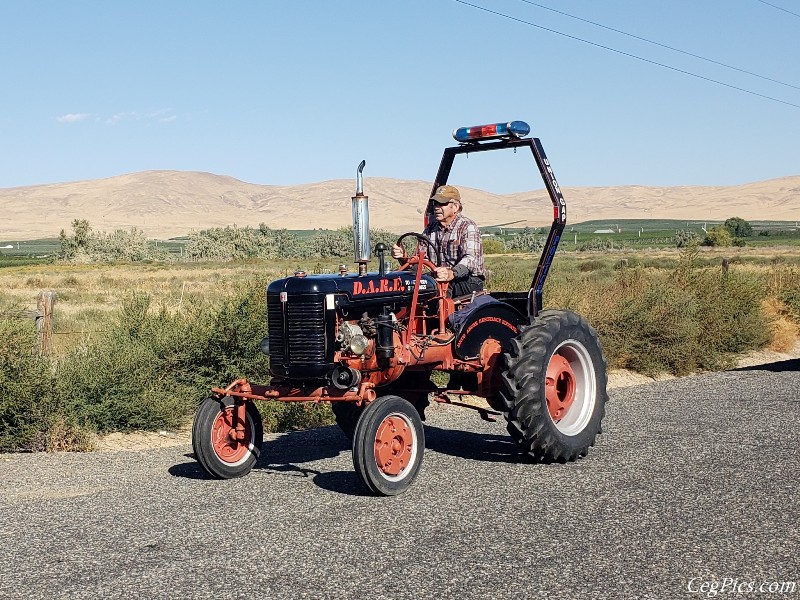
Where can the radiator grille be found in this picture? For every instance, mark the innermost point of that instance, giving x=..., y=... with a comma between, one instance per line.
x=300, y=340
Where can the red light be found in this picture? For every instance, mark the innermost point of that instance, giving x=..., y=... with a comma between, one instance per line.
x=513, y=129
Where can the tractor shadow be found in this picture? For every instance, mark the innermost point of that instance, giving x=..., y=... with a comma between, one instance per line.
x=297, y=454
x=283, y=453
x=775, y=367
x=294, y=454
x=487, y=447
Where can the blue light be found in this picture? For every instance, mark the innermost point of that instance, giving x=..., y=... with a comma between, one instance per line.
x=512, y=129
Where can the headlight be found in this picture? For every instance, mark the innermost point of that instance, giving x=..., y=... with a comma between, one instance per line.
x=358, y=344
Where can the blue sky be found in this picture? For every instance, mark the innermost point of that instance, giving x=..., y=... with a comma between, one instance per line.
x=300, y=91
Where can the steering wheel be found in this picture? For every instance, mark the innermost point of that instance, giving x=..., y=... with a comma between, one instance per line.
x=415, y=257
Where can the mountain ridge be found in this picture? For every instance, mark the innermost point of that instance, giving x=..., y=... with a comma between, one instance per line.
x=172, y=203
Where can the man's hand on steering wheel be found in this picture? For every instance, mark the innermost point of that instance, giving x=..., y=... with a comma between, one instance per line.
x=432, y=257
x=398, y=252
x=443, y=274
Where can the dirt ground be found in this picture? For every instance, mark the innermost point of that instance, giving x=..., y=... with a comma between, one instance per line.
x=142, y=440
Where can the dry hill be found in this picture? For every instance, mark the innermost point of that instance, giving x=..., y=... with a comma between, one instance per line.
x=171, y=203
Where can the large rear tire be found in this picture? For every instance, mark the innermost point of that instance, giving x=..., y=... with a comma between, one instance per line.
x=388, y=445
x=553, y=391
x=218, y=453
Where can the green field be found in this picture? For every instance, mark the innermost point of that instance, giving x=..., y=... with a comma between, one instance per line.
x=631, y=234
x=653, y=233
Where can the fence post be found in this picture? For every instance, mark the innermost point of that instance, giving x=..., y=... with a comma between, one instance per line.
x=44, y=320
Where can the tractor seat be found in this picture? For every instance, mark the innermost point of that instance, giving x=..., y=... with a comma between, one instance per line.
x=465, y=305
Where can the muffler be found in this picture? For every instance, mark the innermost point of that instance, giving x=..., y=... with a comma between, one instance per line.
x=361, y=223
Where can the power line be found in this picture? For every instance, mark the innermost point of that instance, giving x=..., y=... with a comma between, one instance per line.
x=643, y=39
x=647, y=60
x=779, y=8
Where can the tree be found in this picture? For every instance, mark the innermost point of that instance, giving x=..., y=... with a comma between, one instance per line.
x=77, y=245
x=683, y=238
x=329, y=244
x=718, y=236
x=526, y=241
x=738, y=227
x=87, y=246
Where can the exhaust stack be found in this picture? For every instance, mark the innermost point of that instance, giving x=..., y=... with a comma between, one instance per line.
x=361, y=222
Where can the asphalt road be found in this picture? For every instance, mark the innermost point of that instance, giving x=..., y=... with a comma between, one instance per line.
x=693, y=485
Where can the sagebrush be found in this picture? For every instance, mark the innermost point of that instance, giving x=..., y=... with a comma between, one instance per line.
x=152, y=358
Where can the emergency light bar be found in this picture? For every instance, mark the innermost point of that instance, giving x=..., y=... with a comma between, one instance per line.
x=513, y=129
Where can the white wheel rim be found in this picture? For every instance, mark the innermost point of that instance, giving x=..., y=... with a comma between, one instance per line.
x=580, y=412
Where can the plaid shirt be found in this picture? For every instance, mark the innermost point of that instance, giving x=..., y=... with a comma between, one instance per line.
x=460, y=246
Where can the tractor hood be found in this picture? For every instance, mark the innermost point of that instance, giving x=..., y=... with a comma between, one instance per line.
x=370, y=287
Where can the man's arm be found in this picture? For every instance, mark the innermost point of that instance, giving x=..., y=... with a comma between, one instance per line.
x=471, y=249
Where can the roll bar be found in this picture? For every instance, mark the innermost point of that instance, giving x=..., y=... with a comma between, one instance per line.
x=553, y=190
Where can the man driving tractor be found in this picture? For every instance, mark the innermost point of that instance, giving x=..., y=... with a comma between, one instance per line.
x=458, y=241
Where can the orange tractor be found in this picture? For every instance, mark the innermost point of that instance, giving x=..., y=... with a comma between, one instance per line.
x=369, y=342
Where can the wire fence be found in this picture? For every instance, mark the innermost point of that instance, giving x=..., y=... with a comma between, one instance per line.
x=43, y=315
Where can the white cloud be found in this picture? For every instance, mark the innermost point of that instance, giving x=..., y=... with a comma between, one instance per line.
x=73, y=117
x=123, y=116
x=159, y=113
x=164, y=115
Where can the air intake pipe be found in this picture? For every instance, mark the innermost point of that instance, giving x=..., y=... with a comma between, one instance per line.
x=361, y=222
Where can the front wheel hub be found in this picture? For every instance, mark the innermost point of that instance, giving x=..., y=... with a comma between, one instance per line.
x=559, y=387
x=394, y=445
x=228, y=446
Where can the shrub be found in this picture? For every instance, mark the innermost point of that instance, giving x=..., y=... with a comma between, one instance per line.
x=329, y=244
x=718, y=236
x=493, y=246
x=526, y=241
x=138, y=375
x=232, y=243
x=730, y=316
x=648, y=325
x=598, y=244
x=237, y=243
x=85, y=246
x=31, y=416
x=683, y=238
x=506, y=274
x=680, y=320
x=783, y=283
x=153, y=366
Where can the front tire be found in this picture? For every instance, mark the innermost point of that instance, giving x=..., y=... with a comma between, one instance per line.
x=388, y=445
x=221, y=456
x=554, y=387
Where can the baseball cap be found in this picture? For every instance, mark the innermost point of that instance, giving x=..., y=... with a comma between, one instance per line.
x=445, y=194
